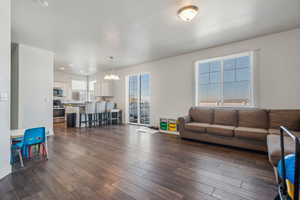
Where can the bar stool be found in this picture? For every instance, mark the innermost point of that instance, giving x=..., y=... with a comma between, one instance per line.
x=113, y=113
x=115, y=116
x=101, y=113
x=89, y=115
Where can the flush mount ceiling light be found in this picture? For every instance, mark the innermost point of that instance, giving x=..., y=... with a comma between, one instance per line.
x=188, y=13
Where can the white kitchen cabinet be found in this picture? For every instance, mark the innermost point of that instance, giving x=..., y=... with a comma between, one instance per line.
x=60, y=85
x=104, y=89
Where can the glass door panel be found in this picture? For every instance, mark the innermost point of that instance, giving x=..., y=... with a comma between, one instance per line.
x=145, y=99
x=139, y=99
x=133, y=89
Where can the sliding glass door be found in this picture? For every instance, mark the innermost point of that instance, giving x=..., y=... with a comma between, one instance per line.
x=138, y=99
x=133, y=100
x=144, y=99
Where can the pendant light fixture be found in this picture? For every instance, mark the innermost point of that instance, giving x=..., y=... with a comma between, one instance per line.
x=187, y=13
x=111, y=76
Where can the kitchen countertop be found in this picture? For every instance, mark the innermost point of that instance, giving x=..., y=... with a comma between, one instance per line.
x=58, y=108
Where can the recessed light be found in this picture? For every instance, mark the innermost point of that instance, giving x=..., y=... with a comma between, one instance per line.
x=188, y=13
x=111, y=58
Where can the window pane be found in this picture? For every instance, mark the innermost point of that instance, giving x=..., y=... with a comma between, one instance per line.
x=243, y=62
x=215, y=77
x=209, y=83
x=229, y=64
x=133, y=99
x=92, y=85
x=229, y=76
x=204, y=79
x=145, y=99
x=236, y=88
x=215, y=66
x=236, y=93
x=204, y=68
x=209, y=94
x=243, y=74
x=79, y=90
x=213, y=92
x=78, y=85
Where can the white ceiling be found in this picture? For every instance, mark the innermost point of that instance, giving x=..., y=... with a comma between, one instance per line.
x=86, y=32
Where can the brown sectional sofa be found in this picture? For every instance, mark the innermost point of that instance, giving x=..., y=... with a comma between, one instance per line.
x=244, y=128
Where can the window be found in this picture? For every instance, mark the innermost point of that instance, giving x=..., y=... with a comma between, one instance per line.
x=225, y=81
x=78, y=85
x=138, y=99
x=92, y=90
x=79, y=90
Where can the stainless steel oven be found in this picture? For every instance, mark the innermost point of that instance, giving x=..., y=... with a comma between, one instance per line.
x=58, y=115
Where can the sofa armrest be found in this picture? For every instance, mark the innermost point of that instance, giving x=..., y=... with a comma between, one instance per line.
x=182, y=121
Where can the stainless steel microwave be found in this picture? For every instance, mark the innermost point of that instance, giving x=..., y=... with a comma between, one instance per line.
x=58, y=92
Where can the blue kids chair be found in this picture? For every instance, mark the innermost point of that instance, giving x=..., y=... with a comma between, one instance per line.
x=16, y=146
x=34, y=136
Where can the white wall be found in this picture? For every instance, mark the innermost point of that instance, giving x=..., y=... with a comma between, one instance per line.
x=5, y=167
x=66, y=78
x=35, y=87
x=60, y=76
x=14, y=109
x=173, y=82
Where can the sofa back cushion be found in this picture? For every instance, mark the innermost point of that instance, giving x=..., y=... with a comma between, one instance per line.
x=287, y=118
x=202, y=115
x=226, y=117
x=253, y=118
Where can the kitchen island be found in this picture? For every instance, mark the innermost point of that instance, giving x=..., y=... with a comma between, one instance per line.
x=74, y=109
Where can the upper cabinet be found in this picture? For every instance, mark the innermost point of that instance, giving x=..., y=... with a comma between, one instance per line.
x=104, y=89
x=59, y=85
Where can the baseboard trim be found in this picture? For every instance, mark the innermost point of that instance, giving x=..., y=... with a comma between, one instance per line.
x=50, y=132
x=5, y=171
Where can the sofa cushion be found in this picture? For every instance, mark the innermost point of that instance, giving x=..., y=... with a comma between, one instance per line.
x=277, y=132
x=195, y=126
x=274, y=150
x=220, y=130
x=251, y=133
x=288, y=118
x=253, y=118
x=202, y=115
x=226, y=117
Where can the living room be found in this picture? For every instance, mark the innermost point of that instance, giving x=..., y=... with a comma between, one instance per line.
x=167, y=99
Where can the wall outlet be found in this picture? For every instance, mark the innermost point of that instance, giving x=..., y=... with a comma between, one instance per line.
x=3, y=96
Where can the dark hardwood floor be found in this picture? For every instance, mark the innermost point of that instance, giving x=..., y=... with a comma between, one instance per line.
x=118, y=163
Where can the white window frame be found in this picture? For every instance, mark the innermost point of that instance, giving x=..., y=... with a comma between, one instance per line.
x=90, y=91
x=222, y=58
x=127, y=99
x=84, y=90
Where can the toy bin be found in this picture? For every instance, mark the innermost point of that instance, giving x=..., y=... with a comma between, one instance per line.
x=172, y=125
x=163, y=124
